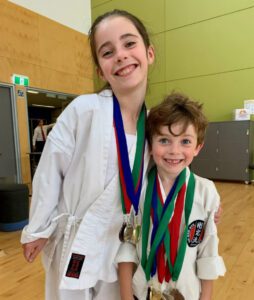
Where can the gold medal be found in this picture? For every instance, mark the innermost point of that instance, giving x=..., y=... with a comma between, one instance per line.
x=128, y=232
x=136, y=234
x=155, y=294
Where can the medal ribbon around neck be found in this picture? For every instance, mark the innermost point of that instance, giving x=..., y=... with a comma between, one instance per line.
x=162, y=235
x=157, y=210
x=130, y=181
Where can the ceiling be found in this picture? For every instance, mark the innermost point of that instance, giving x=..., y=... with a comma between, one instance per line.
x=48, y=99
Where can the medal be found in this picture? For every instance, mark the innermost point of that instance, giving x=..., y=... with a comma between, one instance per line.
x=136, y=230
x=175, y=295
x=126, y=231
x=130, y=230
x=154, y=294
x=130, y=180
x=165, y=258
x=136, y=234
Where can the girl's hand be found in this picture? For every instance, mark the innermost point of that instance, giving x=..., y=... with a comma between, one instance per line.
x=32, y=249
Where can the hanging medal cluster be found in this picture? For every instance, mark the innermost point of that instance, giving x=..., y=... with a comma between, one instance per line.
x=130, y=181
x=167, y=249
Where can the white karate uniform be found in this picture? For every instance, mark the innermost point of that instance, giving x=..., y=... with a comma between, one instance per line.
x=74, y=206
x=201, y=260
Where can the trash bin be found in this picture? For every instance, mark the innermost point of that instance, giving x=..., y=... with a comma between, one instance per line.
x=14, y=206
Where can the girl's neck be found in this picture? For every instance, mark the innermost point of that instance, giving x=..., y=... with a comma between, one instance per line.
x=130, y=105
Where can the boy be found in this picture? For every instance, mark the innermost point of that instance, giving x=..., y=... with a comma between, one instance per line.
x=178, y=251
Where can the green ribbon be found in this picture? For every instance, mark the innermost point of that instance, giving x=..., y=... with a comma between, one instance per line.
x=162, y=232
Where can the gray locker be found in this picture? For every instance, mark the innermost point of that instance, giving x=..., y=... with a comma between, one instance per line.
x=228, y=152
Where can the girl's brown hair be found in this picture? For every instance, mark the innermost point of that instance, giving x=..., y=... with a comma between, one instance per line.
x=116, y=13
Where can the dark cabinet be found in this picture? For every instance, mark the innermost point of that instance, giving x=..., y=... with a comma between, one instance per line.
x=228, y=152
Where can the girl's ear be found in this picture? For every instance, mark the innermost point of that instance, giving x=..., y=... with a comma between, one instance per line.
x=198, y=148
x=100, y=73
x=150, y=54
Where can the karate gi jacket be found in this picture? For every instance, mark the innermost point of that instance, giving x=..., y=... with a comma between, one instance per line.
x=71, y=205
x=201, y=261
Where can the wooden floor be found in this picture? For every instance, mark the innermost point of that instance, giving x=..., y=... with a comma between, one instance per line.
x=22, y=281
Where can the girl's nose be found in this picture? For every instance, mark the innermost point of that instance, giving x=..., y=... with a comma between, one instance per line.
x=121, y=55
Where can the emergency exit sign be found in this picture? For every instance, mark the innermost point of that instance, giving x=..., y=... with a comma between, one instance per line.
x=20, y=79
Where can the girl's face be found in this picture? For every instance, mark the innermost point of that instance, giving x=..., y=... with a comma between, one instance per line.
x=122, y=56
x=173, y=153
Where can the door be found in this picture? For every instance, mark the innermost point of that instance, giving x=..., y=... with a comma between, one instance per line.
x=9, y=159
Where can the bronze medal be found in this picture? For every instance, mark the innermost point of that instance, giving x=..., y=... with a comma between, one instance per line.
x=166, y=296
x=176, y=295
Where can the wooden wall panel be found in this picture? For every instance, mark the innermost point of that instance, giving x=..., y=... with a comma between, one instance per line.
x=23, y=136
x=53, y=56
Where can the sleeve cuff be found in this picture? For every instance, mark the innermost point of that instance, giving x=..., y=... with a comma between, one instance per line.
x=210, y=268
x=27, y=237
x=127, y=253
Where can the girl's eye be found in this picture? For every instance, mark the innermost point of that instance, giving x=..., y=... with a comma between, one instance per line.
x=130, y=44
x=107, y=53
x=186, y=142
x=163, y=141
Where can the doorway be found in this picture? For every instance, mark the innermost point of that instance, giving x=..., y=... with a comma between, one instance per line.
x=43, y=106
x=10, y=170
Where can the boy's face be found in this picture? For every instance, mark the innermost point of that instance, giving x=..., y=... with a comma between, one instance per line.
x=171, y=153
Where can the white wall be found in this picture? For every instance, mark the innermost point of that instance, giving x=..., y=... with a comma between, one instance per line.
x=75, y=14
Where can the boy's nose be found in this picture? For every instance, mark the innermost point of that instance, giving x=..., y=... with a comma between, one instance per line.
x=174, y=148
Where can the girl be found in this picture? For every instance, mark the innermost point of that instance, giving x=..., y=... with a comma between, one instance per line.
x=75, y=215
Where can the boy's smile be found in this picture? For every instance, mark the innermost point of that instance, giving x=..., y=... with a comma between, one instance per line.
x=172, y=153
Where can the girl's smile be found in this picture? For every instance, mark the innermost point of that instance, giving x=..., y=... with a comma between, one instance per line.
x=122, y=55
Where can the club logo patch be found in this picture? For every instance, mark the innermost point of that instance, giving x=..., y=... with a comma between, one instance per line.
x=75, y=265
x=195, y=233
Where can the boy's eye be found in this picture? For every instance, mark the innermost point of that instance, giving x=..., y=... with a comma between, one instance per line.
x=163, y=141
x=186, y=142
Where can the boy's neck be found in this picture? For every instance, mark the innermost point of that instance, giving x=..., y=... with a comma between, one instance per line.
x=167, y=181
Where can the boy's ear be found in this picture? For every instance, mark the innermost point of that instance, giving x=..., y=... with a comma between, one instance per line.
x=198, y=148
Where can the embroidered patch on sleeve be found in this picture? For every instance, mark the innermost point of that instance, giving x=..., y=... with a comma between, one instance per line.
x=195, y=233
x=75, y=265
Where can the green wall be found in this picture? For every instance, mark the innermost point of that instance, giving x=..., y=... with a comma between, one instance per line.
x=204, y=48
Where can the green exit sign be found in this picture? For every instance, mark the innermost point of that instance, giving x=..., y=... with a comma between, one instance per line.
x=20, y=80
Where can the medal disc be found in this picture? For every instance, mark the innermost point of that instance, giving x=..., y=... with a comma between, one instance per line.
x=127, y=233
x=176, y=295
x=136, y=234
x=155, y=295
x=121, y=232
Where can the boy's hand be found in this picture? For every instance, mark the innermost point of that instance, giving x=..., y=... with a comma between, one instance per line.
x=217, y=215
x=32, y=249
